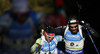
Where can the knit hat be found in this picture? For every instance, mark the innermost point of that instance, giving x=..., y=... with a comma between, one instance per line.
x=20, y=6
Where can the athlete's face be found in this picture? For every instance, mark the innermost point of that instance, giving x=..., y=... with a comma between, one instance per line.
x=73, y=28
x=20, y=17
x=50, y=37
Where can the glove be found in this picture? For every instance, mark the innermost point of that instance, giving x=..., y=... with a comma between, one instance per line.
x=87, y=25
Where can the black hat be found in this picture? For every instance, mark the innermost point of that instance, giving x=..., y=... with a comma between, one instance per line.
x=73, y=20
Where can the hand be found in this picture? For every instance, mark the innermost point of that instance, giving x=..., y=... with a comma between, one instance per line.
x=87, y=25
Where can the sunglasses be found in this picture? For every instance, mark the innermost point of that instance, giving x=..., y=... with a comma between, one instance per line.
x=73, y=26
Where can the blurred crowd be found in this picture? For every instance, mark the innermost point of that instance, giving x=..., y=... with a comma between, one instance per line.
x=20, y=26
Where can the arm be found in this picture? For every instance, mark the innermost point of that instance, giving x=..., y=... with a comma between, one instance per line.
x=4, y=24
x=60, y=30
x=92, y=31
x=35, y=46
x=61, y=43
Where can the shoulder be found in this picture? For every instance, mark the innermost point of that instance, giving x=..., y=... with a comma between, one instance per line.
x=32, y=12
x=32, y=15
x=5, y=19
x=38, y=40
x=58, y=37
x=6, y=15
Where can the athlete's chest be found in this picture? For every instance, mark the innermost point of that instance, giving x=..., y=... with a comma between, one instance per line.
x=16, y=26
x=73, y=37
x=49, y=46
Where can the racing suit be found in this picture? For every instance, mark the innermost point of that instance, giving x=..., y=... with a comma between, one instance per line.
x=74, y=43
x=45, y=45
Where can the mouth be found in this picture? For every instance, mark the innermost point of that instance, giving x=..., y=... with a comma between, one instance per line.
x=74, y=31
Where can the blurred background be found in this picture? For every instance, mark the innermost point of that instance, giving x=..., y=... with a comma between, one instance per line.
x=57, y=13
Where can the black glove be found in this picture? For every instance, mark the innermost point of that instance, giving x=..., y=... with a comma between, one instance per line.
x=86, y=25
x=91, y=30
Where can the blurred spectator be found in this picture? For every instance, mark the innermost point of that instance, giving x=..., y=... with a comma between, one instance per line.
x=58, y=17
x=17, y=28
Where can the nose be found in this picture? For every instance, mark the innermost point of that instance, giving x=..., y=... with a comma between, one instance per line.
x=74, y=28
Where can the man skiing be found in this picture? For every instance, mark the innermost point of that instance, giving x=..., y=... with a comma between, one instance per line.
x=47, y=43
x=74, y=35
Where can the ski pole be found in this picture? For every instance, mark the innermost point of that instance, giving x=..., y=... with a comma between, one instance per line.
x=93, y=42
x=90, y=37
x=37, y=49
x=48, y=39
